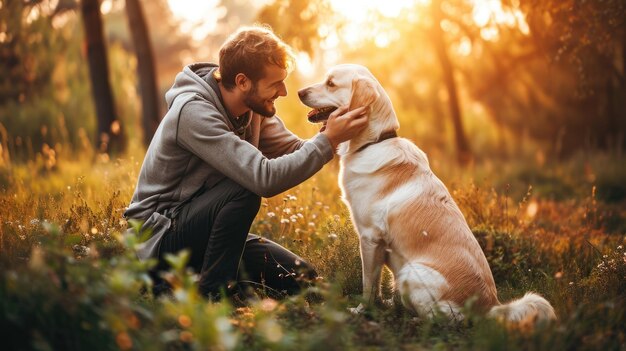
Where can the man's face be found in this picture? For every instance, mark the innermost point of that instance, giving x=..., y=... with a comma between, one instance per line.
x=260, y=98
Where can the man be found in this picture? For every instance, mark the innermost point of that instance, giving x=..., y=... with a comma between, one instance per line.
x=219, y=149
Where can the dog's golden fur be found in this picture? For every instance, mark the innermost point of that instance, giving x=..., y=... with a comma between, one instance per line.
x=405, y=216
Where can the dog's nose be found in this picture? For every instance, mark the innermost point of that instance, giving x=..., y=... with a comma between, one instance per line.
x=302, y=93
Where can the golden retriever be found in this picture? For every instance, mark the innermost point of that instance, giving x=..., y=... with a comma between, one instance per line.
x=404, y=215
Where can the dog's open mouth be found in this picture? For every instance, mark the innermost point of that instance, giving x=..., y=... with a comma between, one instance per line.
x=320, y=114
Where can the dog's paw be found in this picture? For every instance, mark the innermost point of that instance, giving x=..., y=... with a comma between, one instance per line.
x=360, y=309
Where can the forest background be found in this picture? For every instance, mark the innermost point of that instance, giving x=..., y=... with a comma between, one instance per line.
x=519, y=105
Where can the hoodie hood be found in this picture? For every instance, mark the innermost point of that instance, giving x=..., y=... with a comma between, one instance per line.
x=190, y=82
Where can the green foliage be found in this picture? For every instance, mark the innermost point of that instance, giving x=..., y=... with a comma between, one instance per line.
x=46, y=105
x=77, y=285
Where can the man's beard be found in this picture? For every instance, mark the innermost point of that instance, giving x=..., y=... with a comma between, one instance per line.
x=256, y=104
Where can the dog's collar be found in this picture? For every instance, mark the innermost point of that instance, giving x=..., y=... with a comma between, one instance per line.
x=386, y=135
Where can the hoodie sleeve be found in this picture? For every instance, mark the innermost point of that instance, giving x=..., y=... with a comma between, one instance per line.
x=203, y=131
x=276, y=140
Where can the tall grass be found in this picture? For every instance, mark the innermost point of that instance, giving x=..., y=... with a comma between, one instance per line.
x=69, y=279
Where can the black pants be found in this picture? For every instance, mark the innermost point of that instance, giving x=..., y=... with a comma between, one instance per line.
x=214, y=227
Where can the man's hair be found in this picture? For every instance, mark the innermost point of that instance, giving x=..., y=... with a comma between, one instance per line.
x=249, y=50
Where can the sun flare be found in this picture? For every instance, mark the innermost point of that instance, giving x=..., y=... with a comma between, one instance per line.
x=198, y=18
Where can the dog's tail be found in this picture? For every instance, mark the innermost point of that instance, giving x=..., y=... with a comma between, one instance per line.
x=528, y=309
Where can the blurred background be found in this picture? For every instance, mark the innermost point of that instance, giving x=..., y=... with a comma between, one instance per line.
x=471, y=80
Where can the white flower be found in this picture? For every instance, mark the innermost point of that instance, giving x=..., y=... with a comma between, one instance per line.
x=271, y=214
x=287, y=210
x=284, y=220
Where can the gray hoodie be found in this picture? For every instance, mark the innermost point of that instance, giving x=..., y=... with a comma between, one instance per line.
x=196, y=145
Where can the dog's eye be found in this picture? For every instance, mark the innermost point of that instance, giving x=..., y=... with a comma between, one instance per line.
x=330, y=84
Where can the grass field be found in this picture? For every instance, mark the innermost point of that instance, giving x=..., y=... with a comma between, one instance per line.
x=69, y=280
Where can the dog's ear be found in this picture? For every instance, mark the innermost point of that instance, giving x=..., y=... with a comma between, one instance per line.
x=364, y=93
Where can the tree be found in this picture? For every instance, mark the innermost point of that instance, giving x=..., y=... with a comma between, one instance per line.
x=560, y=81
x=462, y=146
x=110, y=134
x=297, y=22
x=145, y=68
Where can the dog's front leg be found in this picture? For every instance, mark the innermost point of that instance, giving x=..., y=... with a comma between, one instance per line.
x=372, y=260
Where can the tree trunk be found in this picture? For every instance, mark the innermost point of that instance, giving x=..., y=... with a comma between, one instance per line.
x=464, y=153
x=150, y=114
x=110, y=137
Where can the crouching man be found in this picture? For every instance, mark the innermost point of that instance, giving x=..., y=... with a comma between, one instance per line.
x=217, y=151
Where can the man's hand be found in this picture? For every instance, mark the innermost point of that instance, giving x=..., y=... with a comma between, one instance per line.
x=343, y=125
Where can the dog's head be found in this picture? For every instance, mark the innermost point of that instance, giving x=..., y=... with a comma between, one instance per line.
x=346, y=84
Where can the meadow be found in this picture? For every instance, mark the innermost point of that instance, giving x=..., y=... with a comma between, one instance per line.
x=69, y=279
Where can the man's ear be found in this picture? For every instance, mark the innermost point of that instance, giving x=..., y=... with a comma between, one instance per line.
x=242, y=82
x=364, y=93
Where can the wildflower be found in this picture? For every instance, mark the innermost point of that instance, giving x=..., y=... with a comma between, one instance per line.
x=299, y=215
x=284, y=220
x=268, y=305
x=287, y=210
x=186, y=336
x=271, y=214
x=292, y=198
x=311, y=224
x=184, y=321
x=124, y=341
